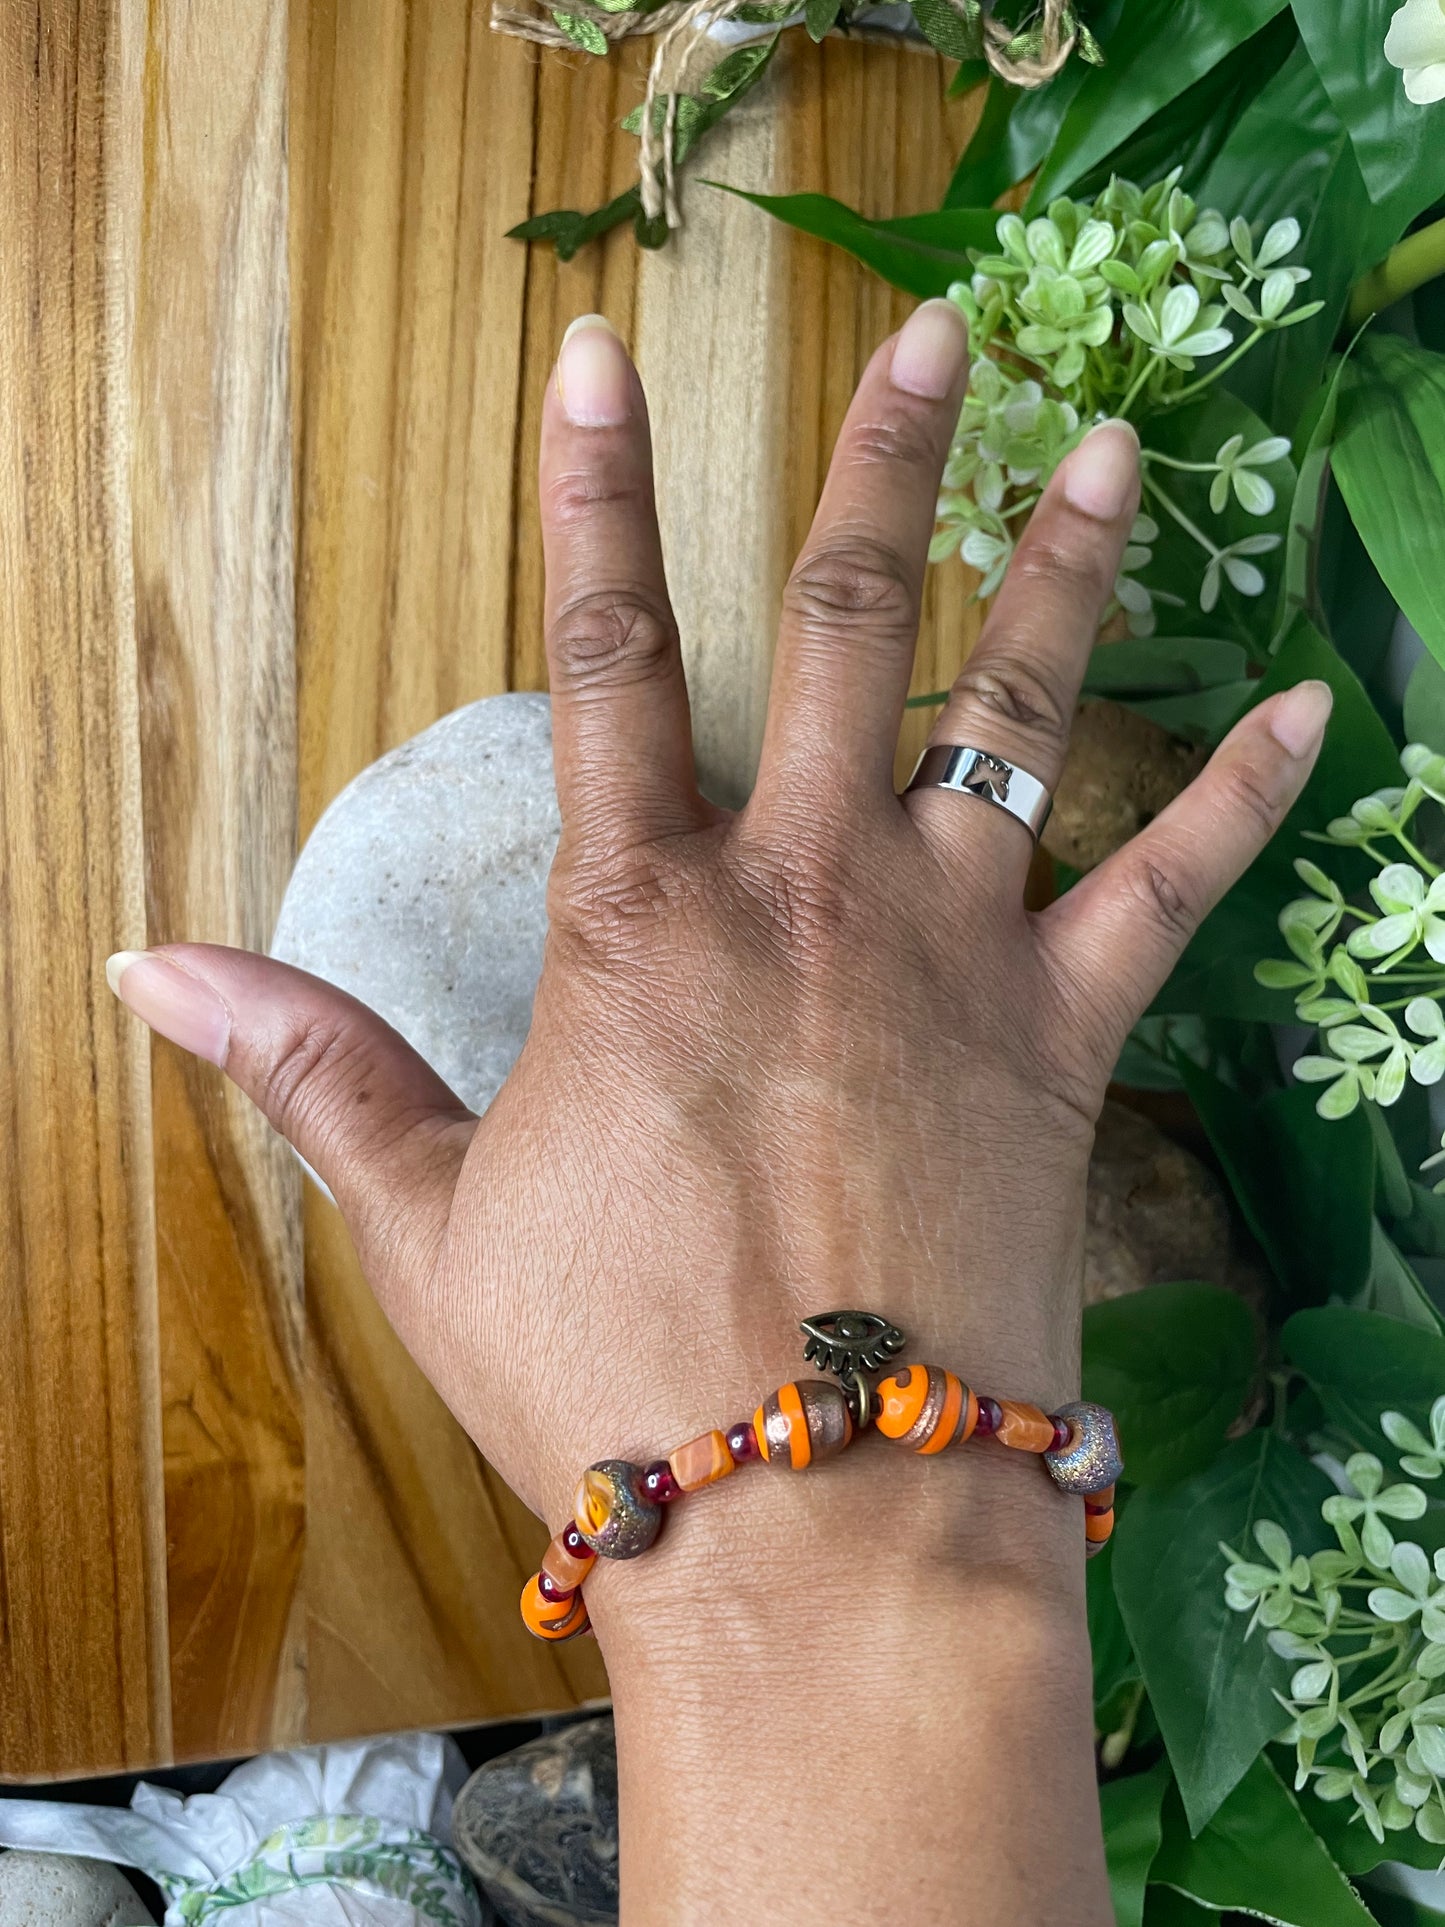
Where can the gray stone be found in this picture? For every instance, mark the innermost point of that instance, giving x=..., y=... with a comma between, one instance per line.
x=538, y=1828
x=59, y=1890
x=422, y=890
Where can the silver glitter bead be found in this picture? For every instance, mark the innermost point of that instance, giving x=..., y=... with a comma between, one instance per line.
x=1091, y=1461
x=614, y=1514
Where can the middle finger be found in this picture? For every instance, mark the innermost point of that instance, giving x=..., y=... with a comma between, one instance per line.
x=850, y=610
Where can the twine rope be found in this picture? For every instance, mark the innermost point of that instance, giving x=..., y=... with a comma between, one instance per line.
x=681, y=26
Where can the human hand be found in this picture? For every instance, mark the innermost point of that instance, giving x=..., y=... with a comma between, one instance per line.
x=814, y=1053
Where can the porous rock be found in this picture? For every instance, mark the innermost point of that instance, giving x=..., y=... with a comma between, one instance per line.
x=538, y=1829
x=62, y=1890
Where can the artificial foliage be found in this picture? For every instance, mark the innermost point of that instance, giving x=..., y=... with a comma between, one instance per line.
x=1229, y=227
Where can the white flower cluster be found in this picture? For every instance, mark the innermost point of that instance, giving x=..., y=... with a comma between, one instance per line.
x=1101, y=309
x=1353, y=991
x=1364, y=1628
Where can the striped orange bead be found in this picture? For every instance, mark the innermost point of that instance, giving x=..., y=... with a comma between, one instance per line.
x=701, y=1461
x=802, y=1423
x=552, y=1618
x=1100, y=1501
x=926, y=1408
x=1098, y=1526
x=1024, y=1427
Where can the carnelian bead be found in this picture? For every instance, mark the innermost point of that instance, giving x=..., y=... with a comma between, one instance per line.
x=702, y=1461
x=552, y=1618
x=567, y=1564
x=1024, y=1427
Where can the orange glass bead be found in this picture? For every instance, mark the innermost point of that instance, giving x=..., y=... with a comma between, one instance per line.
x=1098, y=1526
x=1100, y=1501
x=926, y=1408
x=803, y=1422
x=562, y=1567
x=553, y=1618
x=701, y=1461
x=1024, y=1427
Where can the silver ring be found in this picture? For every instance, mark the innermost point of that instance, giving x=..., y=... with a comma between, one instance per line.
x=974, y=772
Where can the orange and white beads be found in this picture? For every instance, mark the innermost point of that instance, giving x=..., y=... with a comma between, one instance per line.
x=619, y=1506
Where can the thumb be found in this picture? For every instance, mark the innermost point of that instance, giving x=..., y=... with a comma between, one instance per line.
x=370, y=1116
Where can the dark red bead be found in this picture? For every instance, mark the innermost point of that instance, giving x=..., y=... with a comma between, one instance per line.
x=574, y=1542
x=1063, y=1432
x=989, y=1417
x=659, y=1484
x=549, y=1589
x=742, y=1442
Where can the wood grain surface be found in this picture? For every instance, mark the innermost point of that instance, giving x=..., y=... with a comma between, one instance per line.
x=266, y=509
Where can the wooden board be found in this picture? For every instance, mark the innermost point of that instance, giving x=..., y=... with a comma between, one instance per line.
x=222, y=600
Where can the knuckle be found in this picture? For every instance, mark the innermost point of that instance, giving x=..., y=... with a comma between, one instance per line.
x=804, y=898
x=312, y=1065
x=1247, y=795
x=1171, y=905
x=572, y=496
x=903, y=439
x=1019, y=692
x=1048, y=562
x=852, y=580
x=610, y=638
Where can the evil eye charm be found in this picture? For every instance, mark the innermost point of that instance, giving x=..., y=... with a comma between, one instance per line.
x=614, y=1514
x=850, y=1341
x=1091, y=1461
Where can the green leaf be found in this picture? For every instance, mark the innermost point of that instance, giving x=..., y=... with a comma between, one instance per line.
x=1259, y=1855
x=955, y=37
x=818, y=17
x=1305, y=1183
x=1389, y=461
x=1425, y=704
x=1361, y=1364
x=1173, y=1363
x=586, y=33
x=1206, y=716
x=1132, y=1828
x=1190, y=132
x=1216, y=974
x=1314, y=437
x=568, y=230
x=1161, y=666
x=1212, y=1690
x=1160, y=48
x=922, y=253
x=1395, y=1288
x=1397, y=144
x=1291, y=155
x=1113, y=1656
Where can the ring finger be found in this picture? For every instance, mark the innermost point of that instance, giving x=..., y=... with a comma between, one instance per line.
x=1015, y=696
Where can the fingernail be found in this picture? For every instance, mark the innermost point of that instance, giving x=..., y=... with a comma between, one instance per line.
x=594, y=374
x=175, y=1004
x=1101, y=475
x=1297, y=721
x=930, y=351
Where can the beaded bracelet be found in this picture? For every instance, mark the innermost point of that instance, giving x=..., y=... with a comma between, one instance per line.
x=619, y=1506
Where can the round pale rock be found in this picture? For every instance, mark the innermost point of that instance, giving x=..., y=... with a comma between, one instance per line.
x=423, y=888
x=60, y=1890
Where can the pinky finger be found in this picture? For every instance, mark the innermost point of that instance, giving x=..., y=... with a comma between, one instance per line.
x=1115, y=937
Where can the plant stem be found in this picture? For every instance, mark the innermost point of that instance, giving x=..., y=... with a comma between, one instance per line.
x=1198, y=387
x=1409, y=265
x=1190, y=468
x=1167, y=502
x=1138, y=382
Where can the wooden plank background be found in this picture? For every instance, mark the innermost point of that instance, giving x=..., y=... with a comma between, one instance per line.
x=270, y=377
